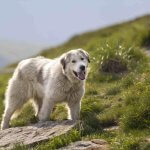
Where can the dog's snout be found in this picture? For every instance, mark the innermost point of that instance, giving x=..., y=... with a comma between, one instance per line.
x=82, y=68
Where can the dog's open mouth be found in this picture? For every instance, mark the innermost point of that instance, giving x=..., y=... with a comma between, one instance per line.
x=80, y=75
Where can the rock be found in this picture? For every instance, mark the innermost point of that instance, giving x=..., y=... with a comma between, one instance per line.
x=99, y=141
x=95, y=144
x=30, y=135
x=113, y=128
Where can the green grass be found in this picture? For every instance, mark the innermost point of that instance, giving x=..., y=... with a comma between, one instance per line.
x=110, y=99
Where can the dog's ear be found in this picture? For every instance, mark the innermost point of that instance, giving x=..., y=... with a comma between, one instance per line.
x=65, y=58
x=63, y=62
x=84, y=53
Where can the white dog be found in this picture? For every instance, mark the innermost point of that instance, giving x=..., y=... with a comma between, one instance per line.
x=47, y=82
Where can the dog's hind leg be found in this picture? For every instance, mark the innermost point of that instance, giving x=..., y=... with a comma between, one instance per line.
x=6, y=116
x=9, y=111
x=16, y=96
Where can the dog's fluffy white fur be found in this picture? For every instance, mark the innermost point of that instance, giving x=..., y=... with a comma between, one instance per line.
x=47, y=82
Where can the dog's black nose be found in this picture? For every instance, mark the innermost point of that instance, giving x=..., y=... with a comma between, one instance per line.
x=82, y=68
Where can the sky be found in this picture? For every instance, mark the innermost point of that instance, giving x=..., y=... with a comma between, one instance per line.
x=28, y=26
x=50, y=22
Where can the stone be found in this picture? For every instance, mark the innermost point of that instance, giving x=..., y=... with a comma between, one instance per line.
x=99, y=141
x=95, y=144
x=32, y=134
x=113, y=128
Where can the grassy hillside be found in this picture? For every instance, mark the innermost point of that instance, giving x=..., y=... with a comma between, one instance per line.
x=115, y=96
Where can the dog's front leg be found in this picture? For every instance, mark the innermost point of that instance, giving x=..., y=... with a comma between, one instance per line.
x=46, y=109
x=74, y=110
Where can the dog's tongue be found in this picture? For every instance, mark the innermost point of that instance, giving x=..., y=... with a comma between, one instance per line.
x=81, y=75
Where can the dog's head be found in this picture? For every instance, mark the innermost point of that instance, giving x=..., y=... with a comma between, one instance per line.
x=74, y=64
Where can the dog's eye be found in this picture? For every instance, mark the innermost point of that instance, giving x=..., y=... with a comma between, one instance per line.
x=82, y=58
x=73, y=61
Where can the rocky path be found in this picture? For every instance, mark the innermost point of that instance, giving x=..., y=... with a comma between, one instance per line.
x=95, y=144
x=30, y=135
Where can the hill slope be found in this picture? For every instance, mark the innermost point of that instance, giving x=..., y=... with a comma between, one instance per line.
x=111, y=98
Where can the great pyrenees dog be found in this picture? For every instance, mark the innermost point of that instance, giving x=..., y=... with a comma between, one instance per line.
x=47, y=82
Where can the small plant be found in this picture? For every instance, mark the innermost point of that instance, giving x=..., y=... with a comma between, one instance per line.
x=113, y=90
x=91, y=92
x=113, y=58
x=128, y=81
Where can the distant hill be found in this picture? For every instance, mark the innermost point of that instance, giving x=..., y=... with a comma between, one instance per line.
x=3, y=61
x=138, y=25
x=12, y=51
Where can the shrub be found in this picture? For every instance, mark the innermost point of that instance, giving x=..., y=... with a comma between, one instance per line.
x=126, y=142
x=89, y=115
x=112, y=58
x=137, y=114
x=118, y=58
